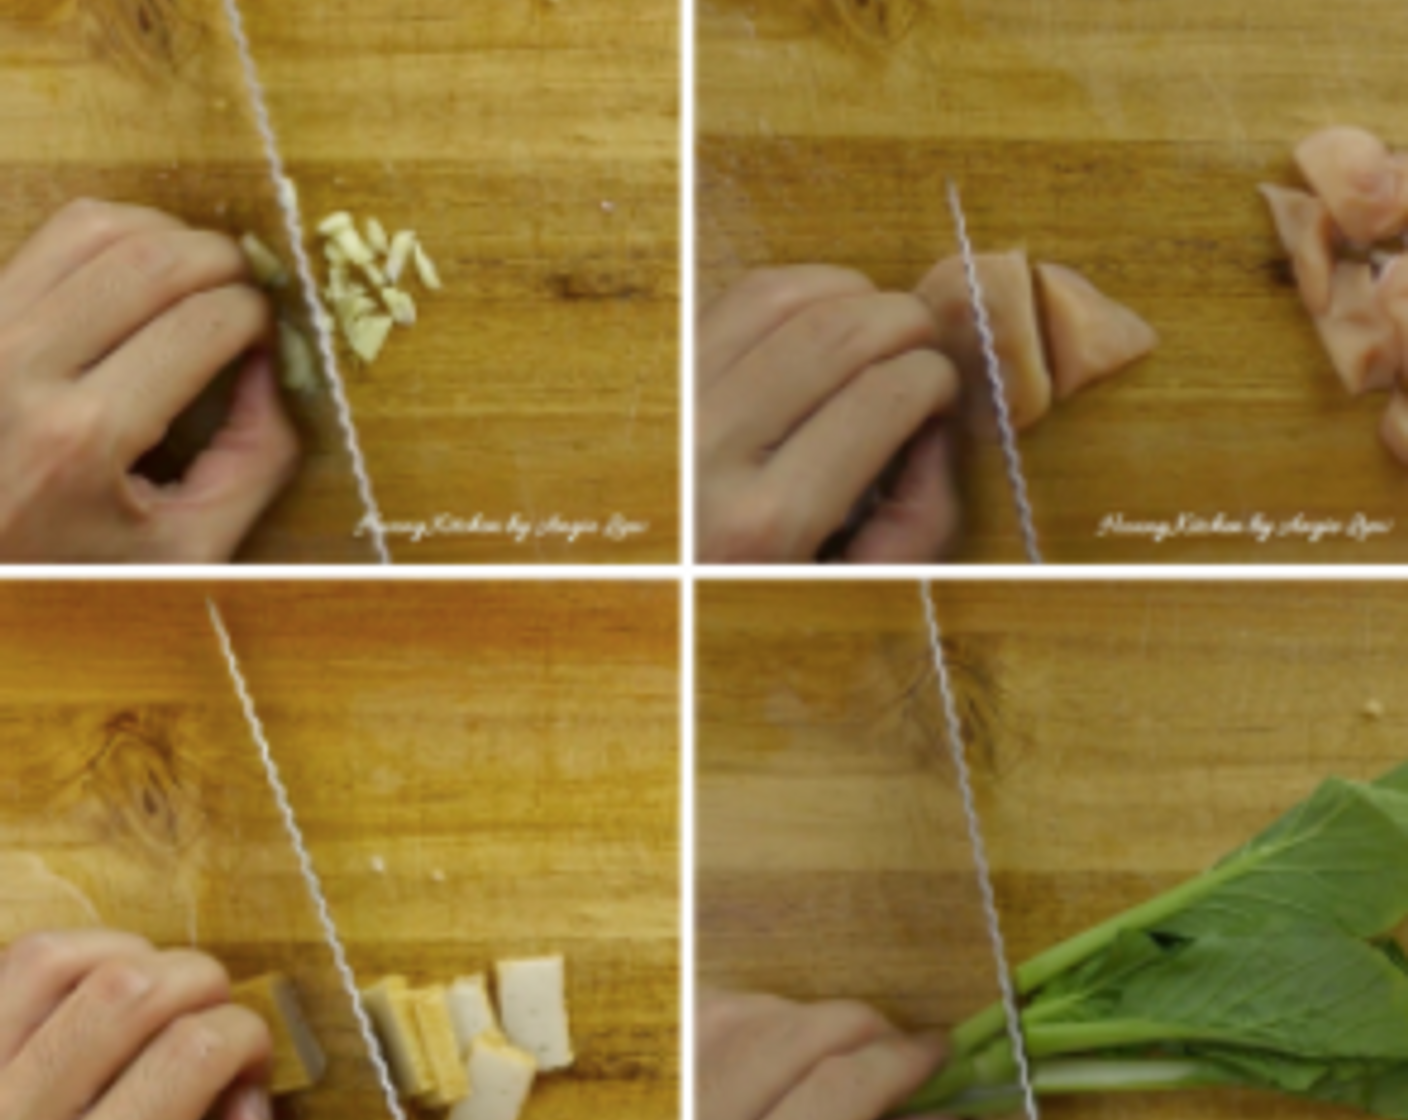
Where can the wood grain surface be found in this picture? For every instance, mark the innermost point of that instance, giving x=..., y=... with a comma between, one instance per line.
x=533, y=145
x=1122, y=738
x=1124, y=138
x=508, y=754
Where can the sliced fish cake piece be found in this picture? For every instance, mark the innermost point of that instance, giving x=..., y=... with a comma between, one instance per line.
x=1089, y=336
x=1011, y=303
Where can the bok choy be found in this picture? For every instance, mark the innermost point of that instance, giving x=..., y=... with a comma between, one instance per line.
x=1277, y=969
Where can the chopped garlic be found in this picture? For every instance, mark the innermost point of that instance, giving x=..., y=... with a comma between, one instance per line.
x=376, y=237
x=300, y=371
x=375, y=275
x=351, y=243
x=402, y=245
x=425, y=267
x=339, y=284
x=401, y=306
x=288, y=192
x=334, y=224
x=367, y=335
x=333, y=254
x=533, y=1004
x=268, y=270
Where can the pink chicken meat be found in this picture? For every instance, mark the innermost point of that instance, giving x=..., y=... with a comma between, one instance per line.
x=1357, y=332
x=1011, y=305
x=1362, y=183
x=1308, y=235
x=1088, y=335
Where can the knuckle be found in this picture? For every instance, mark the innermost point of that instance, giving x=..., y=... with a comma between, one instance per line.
x=190, y=1043
x=921, y=381
x=207, y=979
x=237, y=312
x=256, y=1040
x=71, y=431
x=783, y=291
x=836, y=1076
x=117, y=983
x=844, y=328
x=777, y=290
x=93, y=220
x=152, y=258
x=40, y=956
x=852, y=1020
x=758, y=528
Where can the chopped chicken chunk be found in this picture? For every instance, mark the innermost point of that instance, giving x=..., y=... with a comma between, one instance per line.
x=1308, y=235
x=1357, y=331
x=1088, y=335
x=1360, y=181
x=1393, y=429
x=1011, y=304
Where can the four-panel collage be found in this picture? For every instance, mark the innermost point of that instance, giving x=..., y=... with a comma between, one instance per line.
x=703, y=560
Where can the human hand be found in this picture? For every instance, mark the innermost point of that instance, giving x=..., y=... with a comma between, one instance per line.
x=810, y=383
x=101, y=1025
x=764, y=1058
x=113, y=319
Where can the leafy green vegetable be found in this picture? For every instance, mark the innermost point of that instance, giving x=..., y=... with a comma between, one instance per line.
x=1276, y=969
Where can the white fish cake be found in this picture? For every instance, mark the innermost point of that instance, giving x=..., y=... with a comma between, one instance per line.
x=533, y=1007
x=471, y=1010
x=501, y=1078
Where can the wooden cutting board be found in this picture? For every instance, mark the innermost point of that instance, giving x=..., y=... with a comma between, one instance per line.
x=1124, y=138
x=534, y=147
x=1122, y=738
x=507, y=756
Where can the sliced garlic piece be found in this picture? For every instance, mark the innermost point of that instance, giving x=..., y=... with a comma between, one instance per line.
x=402, y=245
x=288, y=192
x=268, y=270
x=351, y=243
x=334, y=224
x=376, y=237
x=297, y=365
x=368, y=335
x=425, y=267
x=401, y=306
x=375, y=275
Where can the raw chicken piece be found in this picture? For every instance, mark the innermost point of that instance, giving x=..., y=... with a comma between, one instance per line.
x=1357, y=332
x=1393, y=429
x=1364, y=187
x=1088, y=335
x=1393, y=299
x=1308, y=235
x=1011, y=304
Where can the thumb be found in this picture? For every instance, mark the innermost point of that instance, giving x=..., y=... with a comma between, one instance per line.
x=248, y=464
x=918, y=520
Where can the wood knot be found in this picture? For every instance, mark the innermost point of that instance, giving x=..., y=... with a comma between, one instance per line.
x=137, y=777
x=978, y=694
x=593, y=282
x=145, y=38
x=875, y=23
